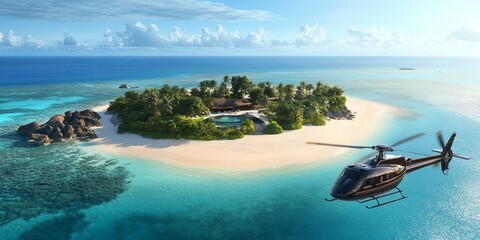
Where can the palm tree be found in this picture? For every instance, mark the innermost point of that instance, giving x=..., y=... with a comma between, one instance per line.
x=281, y=91
x=166, y=106
x=226, y=80
x=301, y=91
x=309, y=88
x=289, y=91
x=223, y=91
x=151, y=100
x=212, y=85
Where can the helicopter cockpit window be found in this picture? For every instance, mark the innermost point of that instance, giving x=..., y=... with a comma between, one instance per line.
x=342, y=176
x=345, y=172
x=352, y=180
x=368, y=183
x=391, y=175
x=378, y=180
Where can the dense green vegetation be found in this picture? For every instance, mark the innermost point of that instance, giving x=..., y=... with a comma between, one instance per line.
x=174, y=112
x=273, y=128
x=305, y=104
x=168, y=113
x=247, y=127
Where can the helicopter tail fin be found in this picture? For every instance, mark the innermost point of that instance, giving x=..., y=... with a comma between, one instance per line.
x=448, y=147
x=446, y=153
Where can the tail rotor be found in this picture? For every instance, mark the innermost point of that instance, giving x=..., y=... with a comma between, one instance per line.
x=446, y=151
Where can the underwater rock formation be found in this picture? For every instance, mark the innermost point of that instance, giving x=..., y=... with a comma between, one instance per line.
x=72, y=125
x=36, y=181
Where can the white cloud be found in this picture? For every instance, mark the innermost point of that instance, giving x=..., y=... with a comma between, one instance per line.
x=218, y=38
x=68, y=40
x=126, y=9
x=139, y=38
x=373, y=37
x=10, y=40
x=465, y=34
x=256, y=39
x=139, y=35
x=311, y=35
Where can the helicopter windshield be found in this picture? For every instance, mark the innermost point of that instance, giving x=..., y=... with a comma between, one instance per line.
x=350, y=178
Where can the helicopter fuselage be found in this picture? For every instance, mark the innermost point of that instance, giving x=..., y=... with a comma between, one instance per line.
x=373, y=177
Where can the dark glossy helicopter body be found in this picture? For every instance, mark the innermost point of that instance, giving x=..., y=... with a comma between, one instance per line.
x=359, y=181
x=374, y=178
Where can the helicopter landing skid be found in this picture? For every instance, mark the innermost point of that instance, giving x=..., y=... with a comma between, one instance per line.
x=372, y=198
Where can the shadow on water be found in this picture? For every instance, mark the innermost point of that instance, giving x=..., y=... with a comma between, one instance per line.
x=61, y=227
x=15, y=140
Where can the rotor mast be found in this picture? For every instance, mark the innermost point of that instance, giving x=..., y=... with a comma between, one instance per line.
x=381, y=148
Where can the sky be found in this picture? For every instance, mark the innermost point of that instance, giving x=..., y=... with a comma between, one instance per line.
x=240, y=27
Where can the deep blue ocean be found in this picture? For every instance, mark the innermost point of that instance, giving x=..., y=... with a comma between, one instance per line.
x=68, y=191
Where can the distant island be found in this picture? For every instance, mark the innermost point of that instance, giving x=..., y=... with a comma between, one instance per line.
x=172, y=112
x=123, y=85
x=406, y=69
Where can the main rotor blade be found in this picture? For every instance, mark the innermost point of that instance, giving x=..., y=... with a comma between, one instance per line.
x=366, y=157
x=437, y=150
x=408, y=139
x=462, y=157
x=416, y=153
x=440, y=139
x=339, y=145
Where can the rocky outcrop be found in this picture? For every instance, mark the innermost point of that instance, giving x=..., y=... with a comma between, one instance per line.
x=39, y=139
x=27, y=128
x=71, y=125
x=344, y=115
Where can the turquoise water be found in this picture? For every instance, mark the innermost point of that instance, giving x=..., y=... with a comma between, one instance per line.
x=68, y=191
x=228, y=119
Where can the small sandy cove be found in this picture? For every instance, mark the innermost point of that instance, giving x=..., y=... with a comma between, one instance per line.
x=253, y=151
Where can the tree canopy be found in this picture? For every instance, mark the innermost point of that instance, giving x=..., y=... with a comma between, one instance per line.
x=169, y=112
x=172, y=111
x=241, y=85
x=305, y=103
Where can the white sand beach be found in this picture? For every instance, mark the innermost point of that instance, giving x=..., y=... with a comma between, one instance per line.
x=253, y=151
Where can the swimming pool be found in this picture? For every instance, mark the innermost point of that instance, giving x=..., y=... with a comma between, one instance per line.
x=233, y=120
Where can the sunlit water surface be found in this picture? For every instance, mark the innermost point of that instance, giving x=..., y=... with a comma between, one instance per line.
x=68, y=191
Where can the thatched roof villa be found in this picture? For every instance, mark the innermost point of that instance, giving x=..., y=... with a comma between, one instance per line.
x=220, y=104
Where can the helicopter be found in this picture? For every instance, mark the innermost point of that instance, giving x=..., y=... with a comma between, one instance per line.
x=378, y=177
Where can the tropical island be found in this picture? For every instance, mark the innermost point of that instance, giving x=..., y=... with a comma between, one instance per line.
x=144, y=117
x=171, y=124
x=172, y=112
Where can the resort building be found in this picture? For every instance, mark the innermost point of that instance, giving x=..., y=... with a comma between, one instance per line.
x=220, y=104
